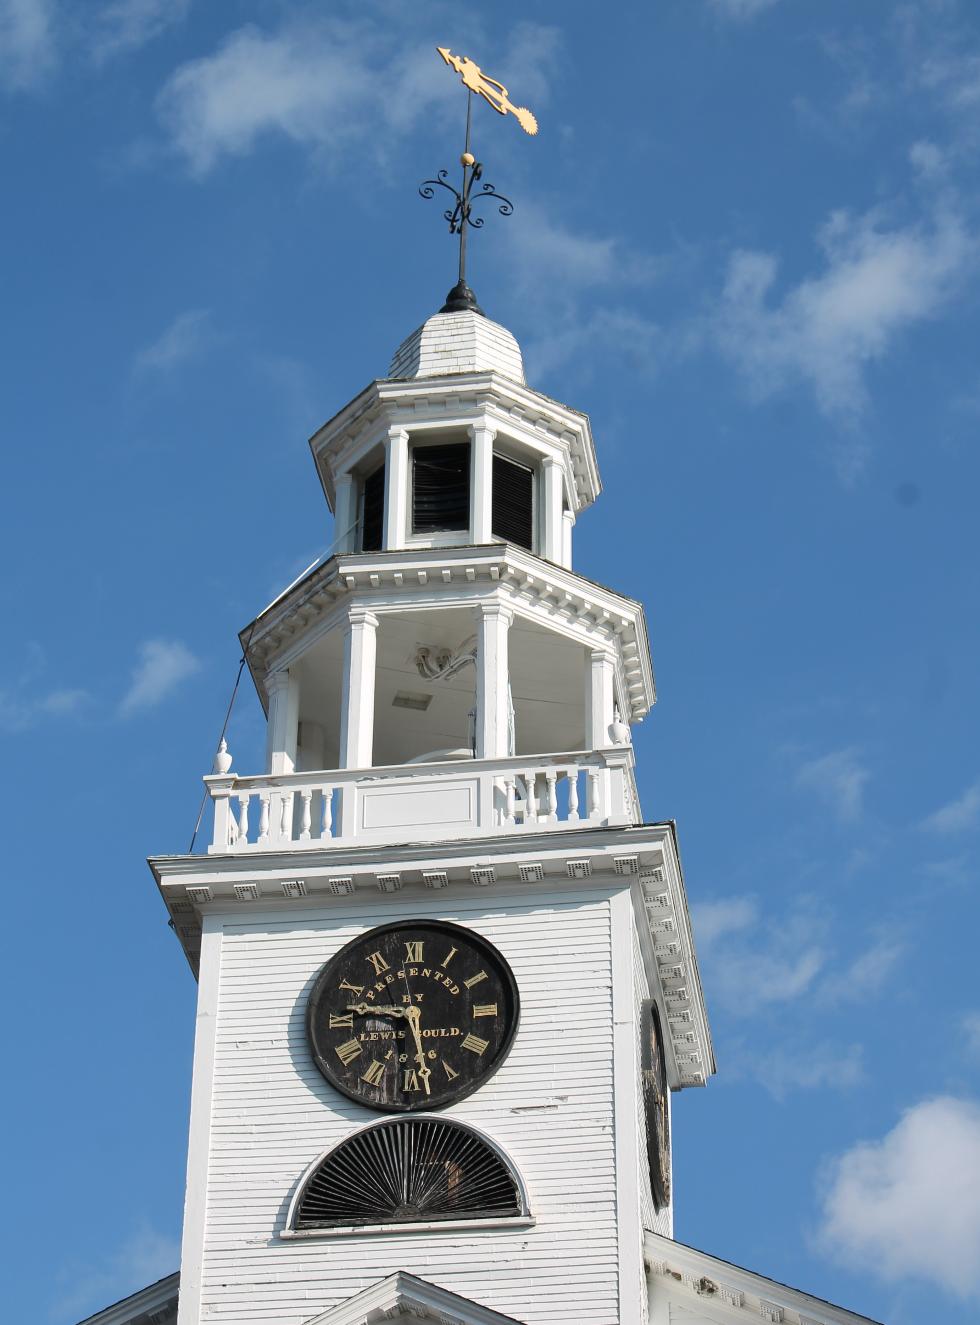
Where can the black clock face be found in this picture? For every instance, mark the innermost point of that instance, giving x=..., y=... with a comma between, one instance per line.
x=655, y=1090
x=412, y=1015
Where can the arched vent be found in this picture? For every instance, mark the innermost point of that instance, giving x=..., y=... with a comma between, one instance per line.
x=407, y=1171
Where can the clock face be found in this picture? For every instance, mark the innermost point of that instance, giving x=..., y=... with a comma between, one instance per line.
x=655, y=1090
x=412, y=1015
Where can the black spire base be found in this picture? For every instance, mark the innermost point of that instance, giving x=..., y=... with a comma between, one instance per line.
x=461, y=299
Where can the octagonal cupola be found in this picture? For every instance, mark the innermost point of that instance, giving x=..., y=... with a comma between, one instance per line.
x=453, y=449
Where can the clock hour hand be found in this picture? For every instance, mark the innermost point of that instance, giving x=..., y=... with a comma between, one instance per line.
x=370, y=1009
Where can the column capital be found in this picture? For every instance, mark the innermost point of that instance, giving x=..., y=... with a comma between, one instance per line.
x=550, y=462
x=362, y=616
x=278, y=681
x=481, y=426
x=397, y=432
x=600, y=655
x=344, y=479
x=499, y=611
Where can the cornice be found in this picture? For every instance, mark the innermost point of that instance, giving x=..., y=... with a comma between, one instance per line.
x=195, y=887
x=152, y=1305
x=558, y=598
x=727, y=1292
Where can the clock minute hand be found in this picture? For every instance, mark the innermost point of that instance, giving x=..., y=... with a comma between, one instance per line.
x=414, y=1016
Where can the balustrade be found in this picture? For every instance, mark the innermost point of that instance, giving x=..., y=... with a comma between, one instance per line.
x=398, y=804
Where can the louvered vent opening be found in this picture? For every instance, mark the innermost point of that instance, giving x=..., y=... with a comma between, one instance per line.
x=513, y=502
x=409, y=1171
x=374, y=511
x=440, y=488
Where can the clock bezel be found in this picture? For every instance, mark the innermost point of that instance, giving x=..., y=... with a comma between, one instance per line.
x=448, y=928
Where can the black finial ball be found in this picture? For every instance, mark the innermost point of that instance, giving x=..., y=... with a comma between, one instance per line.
x=461, y=299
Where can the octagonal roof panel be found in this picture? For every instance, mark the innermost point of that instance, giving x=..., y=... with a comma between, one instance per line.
x=465, y=342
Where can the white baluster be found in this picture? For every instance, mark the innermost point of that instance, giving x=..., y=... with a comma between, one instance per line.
x=552, y=795
x=572, y=775
x=263, y=817
x=594, y=807
x=326, y=828
x=510, y=800
x=286, y=818
x=530, y=803
x=243, y=799
x=305, y=820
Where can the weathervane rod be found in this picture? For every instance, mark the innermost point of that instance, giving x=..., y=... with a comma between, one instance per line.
x=468, y=161
x=460, y=217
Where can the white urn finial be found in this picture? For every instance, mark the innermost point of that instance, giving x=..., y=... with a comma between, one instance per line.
x=619, y=730
x=222, y=760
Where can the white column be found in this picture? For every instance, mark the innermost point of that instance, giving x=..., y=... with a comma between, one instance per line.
x=481, y=483
x=283, y=723
x=344, y=513
x=551, y=525
x=600, y=670
x=396, y=489
x=567, y=525
x=357, y=694
x=492, y=674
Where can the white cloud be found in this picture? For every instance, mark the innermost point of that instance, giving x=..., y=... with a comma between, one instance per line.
x=27, y=45
x=727, y=915
x=838, y=779
x=876, y=282
x=143, y=1258
x=971, y=1029
x=186, y=336
x=811, y=1067
x=867, y=972
x=908, y=1206
x=751, y=962
x=21, y=710
x=742, y=9
x=125, y=25
x=162, y=666
x=960, y=814
x=329, y=84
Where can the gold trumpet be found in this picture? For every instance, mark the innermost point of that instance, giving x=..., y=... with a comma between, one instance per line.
x=494, y=93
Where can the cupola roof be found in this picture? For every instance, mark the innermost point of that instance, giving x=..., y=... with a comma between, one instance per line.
x=463, y=342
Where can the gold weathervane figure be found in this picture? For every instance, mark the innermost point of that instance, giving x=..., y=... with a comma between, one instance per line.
x=494, y=93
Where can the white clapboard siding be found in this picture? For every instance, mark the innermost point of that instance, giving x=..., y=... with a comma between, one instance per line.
x=550, y=1107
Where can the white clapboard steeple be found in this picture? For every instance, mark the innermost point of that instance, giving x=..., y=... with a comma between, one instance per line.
x=449, y=709
x=447, y=976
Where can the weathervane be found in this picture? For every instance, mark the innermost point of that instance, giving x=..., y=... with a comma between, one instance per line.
x=460, y=217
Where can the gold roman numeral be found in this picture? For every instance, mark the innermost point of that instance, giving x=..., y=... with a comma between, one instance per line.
x=475, y=1044
x=413, y=951
x=449, y=1071
x=347, y=1021
x=348, y=1051
x=378, y=962
x=475, y=979
x=374, y=1074
x=449, y=956
x=411, y=1080
x=354, y=989
x=484, y=1009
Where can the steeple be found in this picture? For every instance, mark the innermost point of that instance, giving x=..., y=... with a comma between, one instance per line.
x=447, y=977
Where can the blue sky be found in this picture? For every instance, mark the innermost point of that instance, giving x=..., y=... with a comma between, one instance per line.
x=747, y=242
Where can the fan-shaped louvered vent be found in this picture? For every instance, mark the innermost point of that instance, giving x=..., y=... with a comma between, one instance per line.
x=409, y=1171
